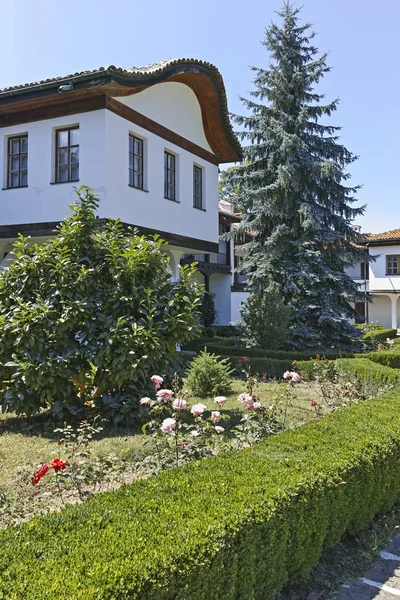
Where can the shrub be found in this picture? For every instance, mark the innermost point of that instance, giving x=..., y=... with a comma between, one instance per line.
x=270, y=367
x=389, y=359
x=209, y=375
x=209, y=332
x=207, y=310
x=265, y=320
x=370, y=372
x=380, y=335
x=257, y=518
x=227, y=331
x=89, y=316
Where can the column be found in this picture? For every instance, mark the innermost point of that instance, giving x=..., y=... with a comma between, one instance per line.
x=393, y=300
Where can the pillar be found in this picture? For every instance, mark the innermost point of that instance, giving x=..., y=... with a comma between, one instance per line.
x=393, y=300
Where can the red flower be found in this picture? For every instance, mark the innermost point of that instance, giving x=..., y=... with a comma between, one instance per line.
x=240, y=361
x=313, y=403
x=39, y=474
x=317, y=357
x=58, y=464
x=264, y=378
x=59, y=443
x=185, y=443
x=245, y=358
x=294, y=362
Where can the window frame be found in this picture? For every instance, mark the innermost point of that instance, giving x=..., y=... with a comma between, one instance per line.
x=198, y=169
x=10, y=139
x=69, y=146
x=389, y=259
x=168, y=154
x=141, y=173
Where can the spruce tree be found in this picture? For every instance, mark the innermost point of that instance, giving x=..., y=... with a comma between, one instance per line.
x=293, y=188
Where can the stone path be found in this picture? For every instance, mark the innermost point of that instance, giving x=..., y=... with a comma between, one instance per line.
x=381, y=581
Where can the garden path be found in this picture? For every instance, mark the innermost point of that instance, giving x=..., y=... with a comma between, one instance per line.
x=381, y=581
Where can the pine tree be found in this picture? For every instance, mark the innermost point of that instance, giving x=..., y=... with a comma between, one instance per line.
x=292, y=187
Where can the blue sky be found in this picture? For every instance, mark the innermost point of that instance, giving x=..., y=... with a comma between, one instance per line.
x=47, y=38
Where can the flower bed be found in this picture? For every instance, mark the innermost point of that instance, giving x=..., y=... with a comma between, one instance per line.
x=237, y=525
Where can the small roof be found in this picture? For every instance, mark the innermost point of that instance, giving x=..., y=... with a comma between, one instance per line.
x=393, y=235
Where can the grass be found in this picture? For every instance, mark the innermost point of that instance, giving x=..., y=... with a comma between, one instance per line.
x=27, y=443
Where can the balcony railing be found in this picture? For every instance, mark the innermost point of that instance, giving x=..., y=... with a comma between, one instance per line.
x=208, y=263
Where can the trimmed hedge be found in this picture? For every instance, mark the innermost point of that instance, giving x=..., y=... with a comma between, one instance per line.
x=380, y=335
x=228, y=347
x=239, y=525
x=387, y=358
x=271, y=367
x=372, y=374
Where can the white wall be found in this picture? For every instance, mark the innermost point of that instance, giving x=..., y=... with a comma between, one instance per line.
x=380, y=311
x=378, y=279
x=236, y=300
x=354, y=271
x=173, y=105
x=41, y=201
x=220, y=285
x=150, y=208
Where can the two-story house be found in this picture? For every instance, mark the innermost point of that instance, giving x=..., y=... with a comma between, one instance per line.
x=148, y=140
x=381, y=278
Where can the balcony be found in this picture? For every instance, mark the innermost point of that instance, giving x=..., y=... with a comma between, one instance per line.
x=208, y=263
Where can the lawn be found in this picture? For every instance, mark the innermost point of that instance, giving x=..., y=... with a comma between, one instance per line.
x=27, y=443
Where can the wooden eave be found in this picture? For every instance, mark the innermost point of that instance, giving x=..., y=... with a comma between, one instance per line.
x=93, y=89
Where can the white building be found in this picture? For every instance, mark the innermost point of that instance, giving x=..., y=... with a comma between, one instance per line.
x=381, y=278
x=147, y=140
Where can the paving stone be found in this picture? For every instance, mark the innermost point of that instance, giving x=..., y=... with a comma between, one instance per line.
x=385, y=571
x=356, y=590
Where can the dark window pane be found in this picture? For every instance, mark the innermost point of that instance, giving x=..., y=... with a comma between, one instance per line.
x=137, y=180
x=62, y=139
x=14, y=163
x=24, y=161
x=130, y=161
x=14, y=146
x=63, y=156
x=24, y=178
x=74, y=137
x=137, y=165
x=130, y=143
x=24, y=144
x=74, y=155
x=63, y=173
x=130, y=177
x=74, y=171
x=138, y=147
x=14, y=179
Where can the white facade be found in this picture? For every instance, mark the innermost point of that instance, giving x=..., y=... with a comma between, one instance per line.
x=383, y=286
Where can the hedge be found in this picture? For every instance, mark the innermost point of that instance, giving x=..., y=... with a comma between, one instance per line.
x=228, y=347
x=380, y=335
x=271, y=367
x=387, y=358
x=239, y=525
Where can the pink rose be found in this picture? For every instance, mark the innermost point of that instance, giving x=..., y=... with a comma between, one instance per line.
x=296, y=377
x=194, y=433
x=287, y=375
x=168, y=425
x=219, y=429
x=220, y=400
x=245, y=397
x=198, y=409
x=157, y=380
x=257, y=405
x=313, y=403
x=165, y=395
x=179, y=404
x=215, y=416
x=145, y=401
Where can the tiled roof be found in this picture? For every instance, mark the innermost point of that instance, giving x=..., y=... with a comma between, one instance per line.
x=150, y=72
x=392, y=235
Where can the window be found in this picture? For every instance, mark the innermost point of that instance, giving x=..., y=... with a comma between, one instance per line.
x=392, y=264
x=135, y=162
x=67, y=154
x=197, y=187
x=169, y=176
x=364, y=270
x=17, y=175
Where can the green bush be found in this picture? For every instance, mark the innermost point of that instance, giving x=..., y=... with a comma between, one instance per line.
x=265, y=320
x=207, y=311
x=380, y=335
x=369, y=372
x=387, y=358
x=271, y=367
x=239, y=525
x=89, y=315
x=209, y=332
x=209, y=375
x=227, y=331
